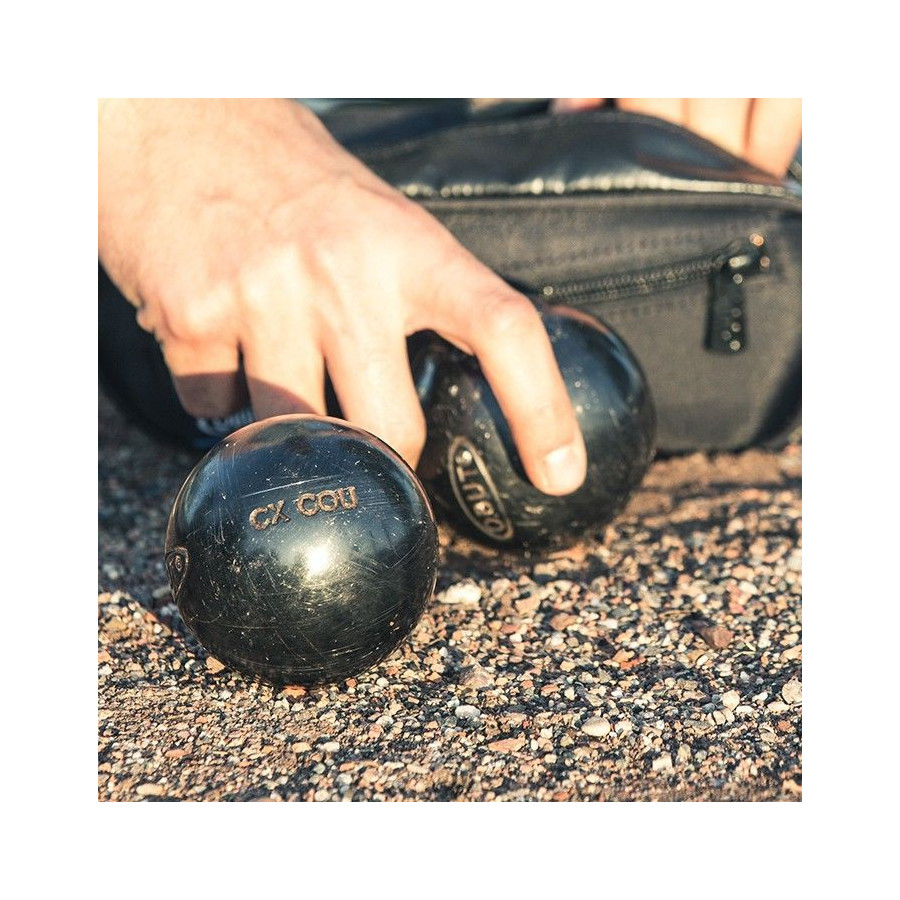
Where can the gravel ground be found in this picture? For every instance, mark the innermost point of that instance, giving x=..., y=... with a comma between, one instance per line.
x=661, y=661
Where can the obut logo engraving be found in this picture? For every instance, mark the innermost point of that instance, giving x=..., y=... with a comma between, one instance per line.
x=327, y=501
x=475, y=490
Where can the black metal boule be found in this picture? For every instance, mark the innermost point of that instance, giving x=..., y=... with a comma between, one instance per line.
x=301, y=549
x=470, y=465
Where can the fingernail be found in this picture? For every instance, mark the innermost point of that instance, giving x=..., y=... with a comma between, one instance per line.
x=564, y=468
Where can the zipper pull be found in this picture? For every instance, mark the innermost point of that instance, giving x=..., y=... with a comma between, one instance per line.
x=726, y=330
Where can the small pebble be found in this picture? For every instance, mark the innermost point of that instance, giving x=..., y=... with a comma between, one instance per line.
x=463, y=711
x=461, y=592
x=475, y=677
x=716, y=636
x=731, y=699
x=662, y=763
x=792, y=691
x=507, y=745
x=150, y=790
x=597, y=726
x=294, y=692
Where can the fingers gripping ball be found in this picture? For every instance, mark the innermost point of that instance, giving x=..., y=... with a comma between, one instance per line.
x=470, y=465
x=302, y=550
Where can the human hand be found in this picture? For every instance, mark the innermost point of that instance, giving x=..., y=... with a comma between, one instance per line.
x=765, y=131
x=260, y=253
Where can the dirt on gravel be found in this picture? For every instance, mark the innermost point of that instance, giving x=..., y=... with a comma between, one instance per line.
x=660, y=660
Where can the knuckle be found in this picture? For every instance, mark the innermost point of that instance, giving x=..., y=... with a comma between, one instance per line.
x=195, y=319
x=548, y=423
x=261, y=282
x=508, y=315
x=554, y=413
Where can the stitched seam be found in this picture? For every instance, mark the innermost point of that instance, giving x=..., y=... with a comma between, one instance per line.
x=683, y=239
x=646, y=181
x=540, y=207
x=612, y=203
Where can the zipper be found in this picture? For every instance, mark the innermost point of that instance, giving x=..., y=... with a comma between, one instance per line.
x=726, y=269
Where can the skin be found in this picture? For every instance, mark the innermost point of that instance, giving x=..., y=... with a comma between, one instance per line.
x=261, y=254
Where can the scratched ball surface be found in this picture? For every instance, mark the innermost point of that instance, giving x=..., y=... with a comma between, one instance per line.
x=302, y=550
x=470, y=465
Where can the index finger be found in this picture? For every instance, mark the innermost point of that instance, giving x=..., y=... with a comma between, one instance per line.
x=506, y=333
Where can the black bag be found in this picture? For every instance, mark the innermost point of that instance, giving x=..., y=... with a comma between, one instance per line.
x=691, y=254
